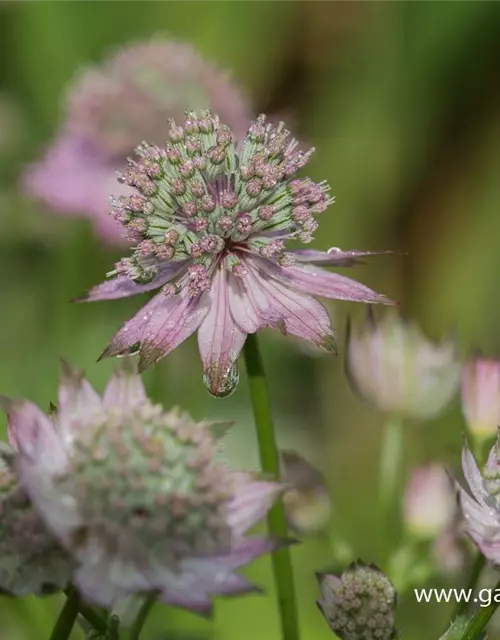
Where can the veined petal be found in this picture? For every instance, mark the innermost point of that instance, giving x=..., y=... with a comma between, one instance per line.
x=33, y=434
x=78, y=400
x=250, y=306
x=220, y=339
x=123, y=286
x=473, y=477
x=315, y=281
x=293, y=312
x=189, y=599
x=335, y=257
x=251, y=503
x=124, y=389
x=173, y=321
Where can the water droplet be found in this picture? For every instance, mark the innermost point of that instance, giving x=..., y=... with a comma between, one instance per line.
x=130, y=351
x=221, y=384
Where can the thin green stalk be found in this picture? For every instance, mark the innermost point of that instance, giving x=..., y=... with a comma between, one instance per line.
x=140, y=621
x=95, y=620
x=269, y=460
x=67, y=617
x=479, y=621
x=389, y=475
x=477, y=569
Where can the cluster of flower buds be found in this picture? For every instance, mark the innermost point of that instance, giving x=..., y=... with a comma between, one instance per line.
x=359, y=604
x=198, y=197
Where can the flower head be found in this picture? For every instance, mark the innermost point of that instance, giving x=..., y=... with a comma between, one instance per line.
x=211, y=225
x=359, y=604
x=429, y=502
x=110, y=108
x=138, y=496
x=481, y=396
x=31, y=559
x=392, y=364
x=482, y=510
x=307, y=502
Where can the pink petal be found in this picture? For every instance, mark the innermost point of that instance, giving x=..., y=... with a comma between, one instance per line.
x=315, y=281
x=220, y=339
x=335, y=257
x=191, y=600
x=251, y=504
x=74, y=178
x=78, y=400
x=122, y=286
x=473, y=476
x=124, y=389
x=159, y=327
x=33, y=434
x=290, y=311
x=242, y=306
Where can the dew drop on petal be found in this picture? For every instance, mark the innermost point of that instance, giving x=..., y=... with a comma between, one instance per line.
x=227, y=381
x=130, y=351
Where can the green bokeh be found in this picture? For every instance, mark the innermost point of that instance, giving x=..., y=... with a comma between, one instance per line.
x=401, y=100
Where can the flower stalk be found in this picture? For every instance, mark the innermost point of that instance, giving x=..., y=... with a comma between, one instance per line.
x=389, y=472
x=67, y=618
x=479, y=621
x=269, y=459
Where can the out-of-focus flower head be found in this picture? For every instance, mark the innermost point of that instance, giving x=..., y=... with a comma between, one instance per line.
x=481, y=396
x=110, y=108
x=448, y=551
x=137, y=495
x=31, y=559
x=482, y=510
x=430, y=504
x=307, y=502
x=211, y=225
x=393, y=365
x=359, y=604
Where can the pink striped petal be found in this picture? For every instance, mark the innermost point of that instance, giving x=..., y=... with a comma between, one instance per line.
x=335, y=257
x=124, y=389
x=33, y=434
x=220, y=339
x=242, y=306
x=291, y=312
x=318, y=282
x=251, y=503
x=123, y=287
x=78, y=400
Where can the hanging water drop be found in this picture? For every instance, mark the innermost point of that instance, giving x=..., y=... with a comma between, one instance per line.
x=220, y=383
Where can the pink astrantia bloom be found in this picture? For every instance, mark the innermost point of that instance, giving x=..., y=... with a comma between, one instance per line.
x=110, y=108
x=211, y=224
x=482, y=510
x=138, y=495
x=481, y=396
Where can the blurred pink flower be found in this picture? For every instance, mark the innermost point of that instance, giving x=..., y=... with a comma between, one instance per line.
x=481, y=396
x=429, y=501
x=211, y=224
x=139, y=496
x=112, y=107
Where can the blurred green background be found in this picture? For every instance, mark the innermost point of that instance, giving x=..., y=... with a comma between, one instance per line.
x=402, y=102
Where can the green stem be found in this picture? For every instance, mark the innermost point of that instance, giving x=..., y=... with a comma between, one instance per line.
x=92, y=617
x=479, y=621
x=477, y=568
x=269, y=460
x=389, y=475
x=142, y=616
x=67, y=617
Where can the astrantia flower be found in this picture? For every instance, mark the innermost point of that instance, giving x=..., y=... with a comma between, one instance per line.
x=138, y=496
x=112, y=107
x=211, y=225
x=481, y=396
x=429, y=502
x=482, y=510
x=360, y=604
x=393, y=365
x=31, y=559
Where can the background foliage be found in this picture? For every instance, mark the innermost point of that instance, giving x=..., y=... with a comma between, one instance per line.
x=402, y=101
